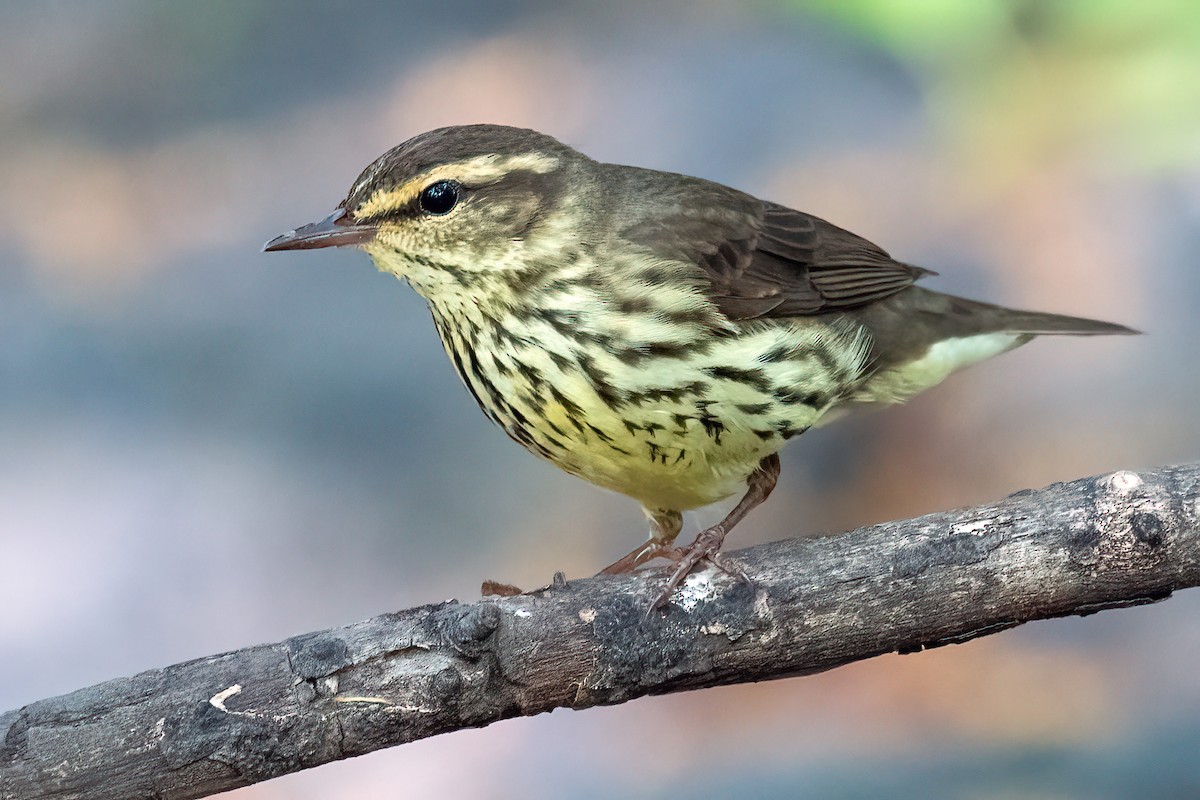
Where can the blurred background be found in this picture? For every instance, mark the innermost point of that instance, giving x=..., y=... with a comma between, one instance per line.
x=203, y=446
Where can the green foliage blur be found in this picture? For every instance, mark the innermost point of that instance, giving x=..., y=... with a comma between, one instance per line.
x=1023, y=80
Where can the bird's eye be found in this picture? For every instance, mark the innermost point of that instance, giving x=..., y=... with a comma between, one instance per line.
x=439, y=198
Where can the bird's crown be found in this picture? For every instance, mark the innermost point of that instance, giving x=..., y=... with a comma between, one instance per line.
x=469, y=155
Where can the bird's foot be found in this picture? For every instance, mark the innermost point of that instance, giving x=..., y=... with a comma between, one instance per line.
x=706, y=547
x=640, y=555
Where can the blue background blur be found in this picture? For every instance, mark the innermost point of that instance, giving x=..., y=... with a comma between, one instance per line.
x=203, y=446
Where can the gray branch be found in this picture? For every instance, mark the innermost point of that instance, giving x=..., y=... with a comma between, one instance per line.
x=205, y=726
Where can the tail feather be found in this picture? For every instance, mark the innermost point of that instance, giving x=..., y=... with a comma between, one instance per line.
x=919, y=337
x=1040, y=324
x=907, y=324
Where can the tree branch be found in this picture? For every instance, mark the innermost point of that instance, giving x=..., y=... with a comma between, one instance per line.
x=205, y=726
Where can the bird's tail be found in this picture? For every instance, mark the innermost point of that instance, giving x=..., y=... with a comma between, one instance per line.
x=919, y=337
x=1037, y=323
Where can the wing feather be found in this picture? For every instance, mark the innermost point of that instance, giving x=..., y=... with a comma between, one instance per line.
x=800, y=264
x=762, y=259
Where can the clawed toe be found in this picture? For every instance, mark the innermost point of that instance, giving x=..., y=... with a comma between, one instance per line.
x=707, y=547
x=723, y=563
x=647, y=552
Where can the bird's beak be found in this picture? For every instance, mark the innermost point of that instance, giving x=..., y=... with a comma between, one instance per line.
x=336, y=230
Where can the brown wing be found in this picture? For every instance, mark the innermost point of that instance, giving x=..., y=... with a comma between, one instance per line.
x=760, y=259
x=797, y=264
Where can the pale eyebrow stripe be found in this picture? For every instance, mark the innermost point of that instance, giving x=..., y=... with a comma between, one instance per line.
x=480, y=170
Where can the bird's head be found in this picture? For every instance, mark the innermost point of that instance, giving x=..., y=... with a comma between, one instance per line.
x=455, y=206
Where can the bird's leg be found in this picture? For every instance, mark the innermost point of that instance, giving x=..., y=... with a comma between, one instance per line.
x=707, y=545
x=664, y=527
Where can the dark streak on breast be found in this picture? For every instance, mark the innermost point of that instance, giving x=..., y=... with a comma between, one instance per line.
x=755, y=378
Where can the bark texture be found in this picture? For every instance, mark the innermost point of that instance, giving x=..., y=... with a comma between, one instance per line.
x=213, y=724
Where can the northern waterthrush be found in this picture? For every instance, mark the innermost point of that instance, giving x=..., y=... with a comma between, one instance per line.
x=653, y=333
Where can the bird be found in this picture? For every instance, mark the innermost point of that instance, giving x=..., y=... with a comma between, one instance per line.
x=659, y=335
